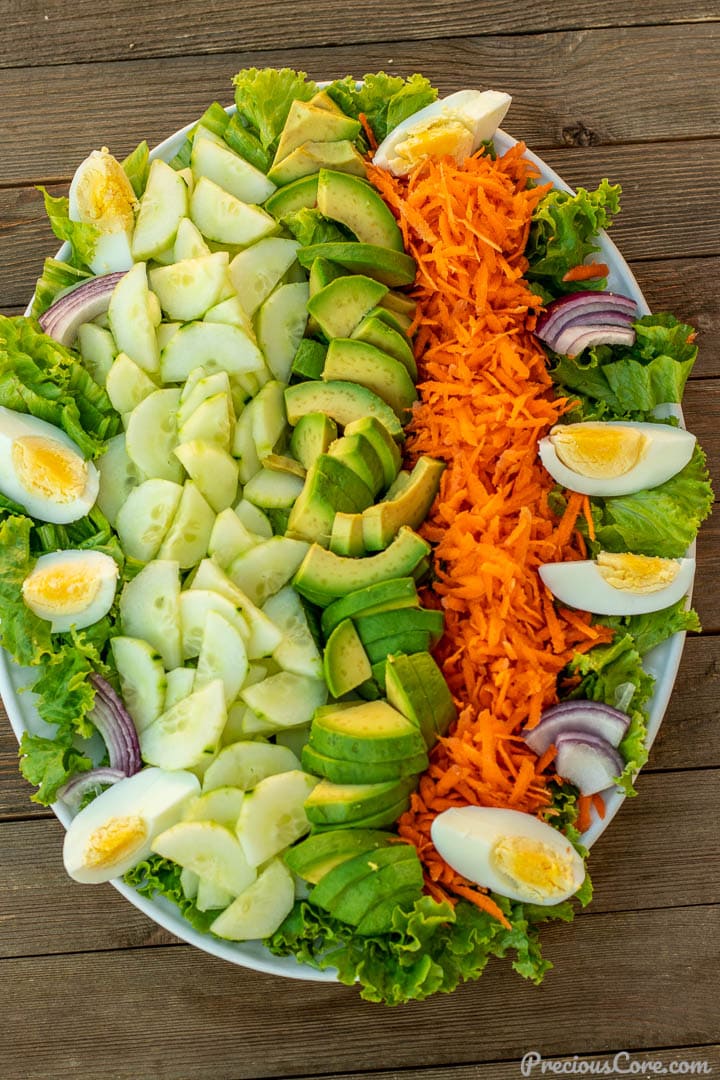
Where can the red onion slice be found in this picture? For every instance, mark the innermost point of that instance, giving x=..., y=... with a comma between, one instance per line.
x=582, y=303
x=114, y=723
x=75, y=790
x=572, y=341
x=577, y=718
x=590, y=763
x=84, y=302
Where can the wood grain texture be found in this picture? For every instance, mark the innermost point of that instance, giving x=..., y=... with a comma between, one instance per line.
x=36, y=33
x=635, y=979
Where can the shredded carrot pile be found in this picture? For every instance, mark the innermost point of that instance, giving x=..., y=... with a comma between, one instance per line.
x=485, y=400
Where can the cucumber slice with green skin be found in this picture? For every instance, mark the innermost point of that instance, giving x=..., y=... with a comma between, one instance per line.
x=142, y=679
x=222, y=656
x=185, y=735
x=309, y=360
x=265, y=569
x=297, y=651
x=243, y=445
x=209, y=850
x=351, y=872
x=189, y=883
x=131, y=321
x=118, y=476
x=253, y=726
x=190, y=287
x=221, y=217
x=261, y=908
x=127, y=384
x=212, y=897
x=341, y=804
x=150, y=609
x=256, y=271
x=269, y=422
x=384, y=625
x=189, y=243
x=189, y=533
x=234, y=730
x=273, y=815
x=162, y=207
x=245, y=764
x=217, y=346
x=254, y=519
x=179, y=685
x=151, y=436
x=97, y=348
x=212, y=469
x=195, y=606
x=228, y=170
x=285, y=700
x=295, y=196
x=320, y=853
x=229, y=538
x=212, y=421
x=145, y=517
x=372, y=731
x=342, y=402
x=280, y=325
x=232, y=312
x=343, y=771
x=293, y=738
x=273, y=490
x=382, y=886
x=221, y=805
x=165, y=331
x=345, y=662
x=263, y=635
x=200, y=387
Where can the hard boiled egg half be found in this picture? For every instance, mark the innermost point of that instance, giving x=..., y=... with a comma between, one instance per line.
x=615, y=457
x=101, y=195
x=115, y=831
x=453, y=126
x=43, y=470
x=619, y=584
x=511, y=853
x=71, y=588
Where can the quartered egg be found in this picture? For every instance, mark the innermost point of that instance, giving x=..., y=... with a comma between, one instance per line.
x=616, y=457
x=101, y=195
x=43, y=470
x=619, y=584
x=511, y=853
x=71, y=588
x=115, y=831
x=453, y=126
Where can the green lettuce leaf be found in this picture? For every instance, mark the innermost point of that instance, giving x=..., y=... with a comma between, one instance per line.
x=25, y=636
x=385, y=100
x=161, y=877
x=308, y=226
x=263, y=99
x=247, y=145
x=49, y=764
x=55, y=278
x=215, y=119
x=652, y=629
x=137, y=167
x=563, y=234
x=81, y=236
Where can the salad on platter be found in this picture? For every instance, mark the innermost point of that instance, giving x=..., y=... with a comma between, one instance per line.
x=341, y=503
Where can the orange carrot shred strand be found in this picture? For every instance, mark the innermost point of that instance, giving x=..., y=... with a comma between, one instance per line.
x=587, y=272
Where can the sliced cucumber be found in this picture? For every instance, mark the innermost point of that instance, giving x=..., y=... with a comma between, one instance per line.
x=212, y=469
x=293, y=738
x=152, y=434
x=231, y=311
x=246, y=764
x=221, y=805
x=209, y=850
x=261, y=908
x=189, y=243
x=273, y=815
x=264, y=636
x=166, y=331
x=142, y=679
x=264, y=569
x=118, y=476
x=180, y=683
x=252, y=517
x=150, y=609
x=256, y=271
x=243, y=446
x=189, y=288
x=286, y=700
x=211, y=421
x=229, y=538
x=199, y=387
x=273, y=490
x=189, y=883
x=217, y=162
x=217, y=346
x=211, y=897
x=234, y=730
x=221, y=217
x=195, y=606
x=189, y=533
x=127, y=384
x=280, y=326
x=269, y=419
x=222, y=656
x=162, y=207
x=189, y=732
x=297, y=651
x=131, y=319
x=146, y=516
x=97, y=348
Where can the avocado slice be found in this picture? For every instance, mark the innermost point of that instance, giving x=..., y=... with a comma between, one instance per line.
x=320, y=853
x=329, y=486
x=384, y=445
x=357, y=900
x=410, y=641
x=311, y=157
x=340, y=804
x=370, y=731
x=345, y=662
x=375, y=331
x=322, y=100
x=354, y=494
x=346, y=536
x=323, y=577
x=359, y=207
x=359, y=454
x=393, y=319
x=306, y=122
x=435, y=688
x=400, y=304
x=385, y=624
x=416, y=687
x=385, y=265
x=342, y=401
x=340, y=306
x=409, y=507
x=380, y=820
x=386, y=595
x=354, y=360
x=299, y=195
x=309, y=360
x=322, y=272
x=311, y=437
x=353, y=870
x=379, y=919
x=358, y=772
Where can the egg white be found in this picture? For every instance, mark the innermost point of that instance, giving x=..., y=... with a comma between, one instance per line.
x=116, y=830
x=14, y=426
x=668, y=450
x=465, y=837
x=101, y=195
x=478, y=112
x=44, y=588
x=581, y=585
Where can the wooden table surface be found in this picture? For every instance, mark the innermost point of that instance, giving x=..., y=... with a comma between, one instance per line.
x=89, y=987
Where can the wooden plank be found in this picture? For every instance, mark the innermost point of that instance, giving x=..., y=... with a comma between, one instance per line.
x=638, y=979
x=556, y=102
x=31, y=36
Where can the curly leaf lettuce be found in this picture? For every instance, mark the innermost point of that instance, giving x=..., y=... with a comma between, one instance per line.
x=81, y=236
x=308, y=226
x=384, y=100
x=25, y=636
x=263, y=98
x=161, y=877
x=650, y=630
x=50, y=763
x=55, y=278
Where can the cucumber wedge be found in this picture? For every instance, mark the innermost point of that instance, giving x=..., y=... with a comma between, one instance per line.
x=217, y=162
x=127, y=384
x=273, y=815
x=210, y=850
x=145, y=517
x=245, y=764
x=131, y=319
x=222, y=656
x=256, y=271
x=151, y=436
x=264, y=570
x=221, y=217
x=285, y=700
x=163, y=206
x=216, y=346
x=142, y=679
x=195, y=606
x=150, y=609
x=118, y=477
x=261, y=908
x=189, y=533
x=189, y=733
x=280, y=326
x=190, y=287
x=297, y=652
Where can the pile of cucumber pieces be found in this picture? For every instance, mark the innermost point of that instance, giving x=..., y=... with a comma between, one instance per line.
x=263, y=387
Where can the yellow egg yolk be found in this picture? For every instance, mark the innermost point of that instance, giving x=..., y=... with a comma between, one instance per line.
x=441, y=137
x=104, y=194
x=637, y=573
x=114, y=841
x=533, y=867
x=597, y=450
x=62, y=589
x=48, y=469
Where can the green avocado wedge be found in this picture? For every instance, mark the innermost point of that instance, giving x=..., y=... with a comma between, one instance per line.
x=353, y=870
x=383, y=625
x=385, y=595
x=306, y=122
x=379, y=820
x=410, y=507
x=340, y=804
x=312, y=156
x=300, y=195
x=421, y=667
x=356, y=901
x=311, y=437
x=359, y=207
x=320, y=853
x=343, y=402
x=345, y=662
x=309, y=359
x=387, y=377
x=342, y=304
x=375, y=331
x=346, y=536
x=342, y=771
x=370, y=731
x=403, y=641
x=384, y=445
x=359, y=454
x=392, y=268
